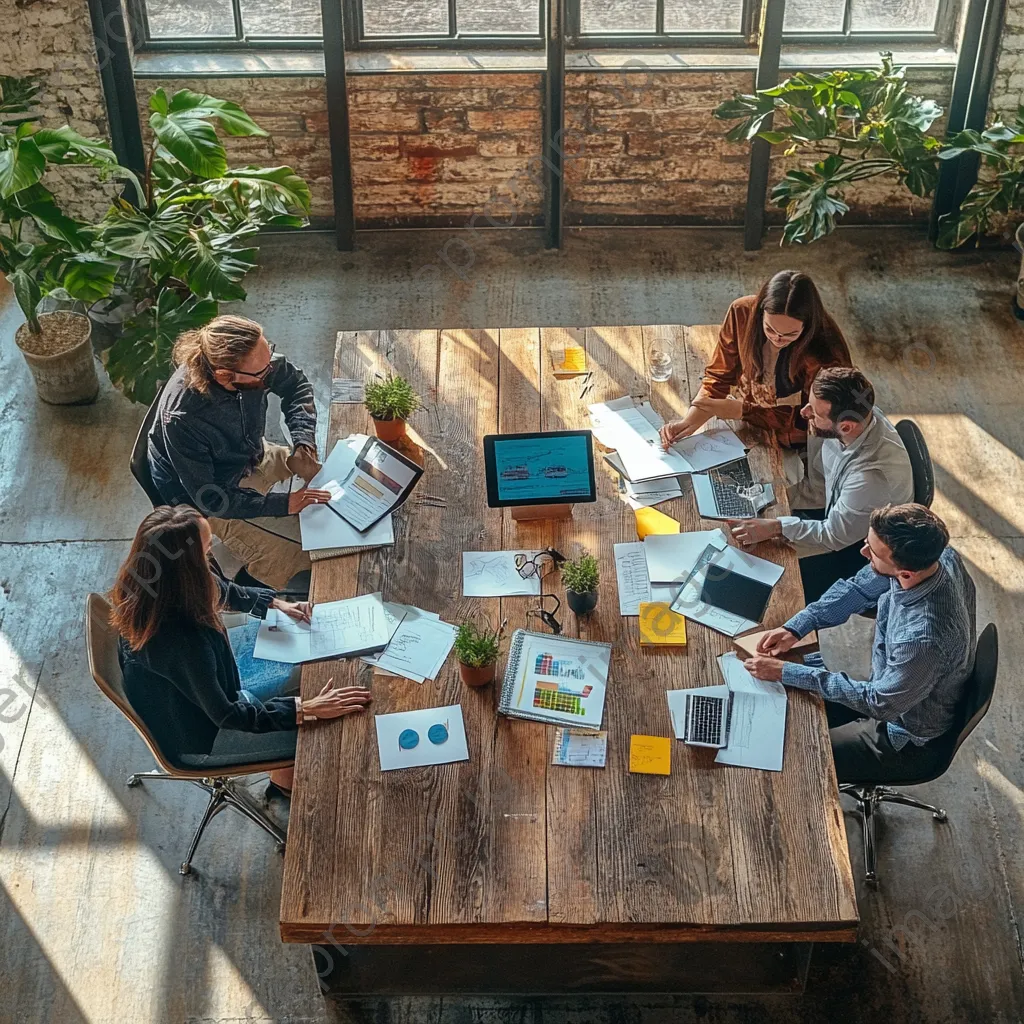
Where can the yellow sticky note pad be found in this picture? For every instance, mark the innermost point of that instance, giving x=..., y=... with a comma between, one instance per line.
x=574, y=360
x=660, y=625
x=650, y=755
x=650, y=520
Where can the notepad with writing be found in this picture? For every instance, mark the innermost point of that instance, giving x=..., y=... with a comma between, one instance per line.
x=555, y=679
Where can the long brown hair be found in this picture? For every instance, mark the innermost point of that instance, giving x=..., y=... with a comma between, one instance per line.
x=791, y=293
x=165, y=575
x=222, y=344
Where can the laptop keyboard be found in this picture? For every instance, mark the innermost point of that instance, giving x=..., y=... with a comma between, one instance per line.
x=705, y=720
x=724, y=481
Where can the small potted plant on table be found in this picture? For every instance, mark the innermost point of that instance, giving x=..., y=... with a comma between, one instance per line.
x=390, y=401
x=580, y=576
x=477, y=648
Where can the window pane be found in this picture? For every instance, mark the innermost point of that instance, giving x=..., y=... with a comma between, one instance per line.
x=814, y=16
x=703, y=15
x=610, y=17
x=499, y=17
x=893, y=15
x=405, y=17
x=190, y=18
x=281, y=17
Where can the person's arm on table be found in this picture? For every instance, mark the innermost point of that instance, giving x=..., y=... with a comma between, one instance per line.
x=256, y=601
x=847, y=521
x=331, y=703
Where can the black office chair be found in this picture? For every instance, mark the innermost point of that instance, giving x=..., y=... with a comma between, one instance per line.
x=975, y=703
x=138, y=463
x=920, y=461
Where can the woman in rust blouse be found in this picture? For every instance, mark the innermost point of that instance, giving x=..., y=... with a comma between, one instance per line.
x=769, y=349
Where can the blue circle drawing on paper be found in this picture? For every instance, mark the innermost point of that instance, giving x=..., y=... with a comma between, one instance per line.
x=437, y=734
x=407, y=739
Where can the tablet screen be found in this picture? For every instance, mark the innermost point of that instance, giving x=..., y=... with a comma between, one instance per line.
x=540, y=468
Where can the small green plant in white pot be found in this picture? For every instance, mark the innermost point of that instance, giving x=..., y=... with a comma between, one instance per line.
x=580, y=577
x=477, y=649
x=390, y=401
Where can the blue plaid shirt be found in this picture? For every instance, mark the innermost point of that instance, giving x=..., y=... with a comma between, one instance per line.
x=923, y=649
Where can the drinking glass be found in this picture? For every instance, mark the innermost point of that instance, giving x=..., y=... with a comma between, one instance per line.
x=659, y=362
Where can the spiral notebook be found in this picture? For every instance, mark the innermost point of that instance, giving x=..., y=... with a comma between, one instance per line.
x=555, y=679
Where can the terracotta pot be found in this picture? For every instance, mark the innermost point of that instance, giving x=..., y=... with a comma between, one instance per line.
x=389, y=430
x=477, y=676
x=581, y=604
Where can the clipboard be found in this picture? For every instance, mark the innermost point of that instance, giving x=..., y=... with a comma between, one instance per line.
x=380, y=482
x=557, y=680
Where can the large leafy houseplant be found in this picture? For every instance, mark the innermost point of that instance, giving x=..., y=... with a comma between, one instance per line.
x=859, y=124
x=42, y=249
x=999, y=192
x=188, y=244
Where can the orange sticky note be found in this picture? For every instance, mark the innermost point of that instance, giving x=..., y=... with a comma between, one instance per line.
x=573, y=360
x=660, y=625
x=650, y=520
x=650, y=755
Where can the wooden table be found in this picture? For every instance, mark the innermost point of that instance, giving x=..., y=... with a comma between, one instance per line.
x=505, y=848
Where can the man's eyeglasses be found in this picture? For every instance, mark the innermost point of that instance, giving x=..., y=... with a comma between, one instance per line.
x=262, y=375
x=542, y=564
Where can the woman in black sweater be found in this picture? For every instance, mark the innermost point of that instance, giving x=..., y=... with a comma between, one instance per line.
x=180, y=673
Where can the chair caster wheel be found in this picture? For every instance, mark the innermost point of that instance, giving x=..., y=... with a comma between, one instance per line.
x=941, y=816
x=185, y=869
x=133, y=781
x=280, y=849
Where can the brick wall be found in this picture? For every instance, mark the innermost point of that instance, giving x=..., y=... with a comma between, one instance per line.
x=425, y=148
x=436, y=148
x=647, y=145
x=1008, y=87
x=52, y=39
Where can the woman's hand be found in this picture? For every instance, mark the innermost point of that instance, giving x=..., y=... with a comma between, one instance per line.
x=674, y=431
x=332, y=703
x=301, y=611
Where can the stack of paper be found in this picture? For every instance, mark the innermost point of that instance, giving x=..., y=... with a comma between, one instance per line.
x=634, y=585
x=352, y=627
x=324, y=532
x=633, y=431
x=419, y=646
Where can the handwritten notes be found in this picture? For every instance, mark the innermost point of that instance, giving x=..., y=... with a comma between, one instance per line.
x=660, y=625
x=650, y=755
x=631, y=572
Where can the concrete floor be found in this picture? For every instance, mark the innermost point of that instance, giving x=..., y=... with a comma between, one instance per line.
x=95, y=923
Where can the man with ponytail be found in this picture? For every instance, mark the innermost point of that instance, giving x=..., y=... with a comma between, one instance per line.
x=207, y=448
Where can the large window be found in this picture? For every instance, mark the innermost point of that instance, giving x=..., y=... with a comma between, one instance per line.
x=381, y=24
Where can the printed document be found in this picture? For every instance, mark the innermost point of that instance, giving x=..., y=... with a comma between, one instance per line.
x=631, y=573
x=494, y=574
x=419, y=645
x=379, y=481
x=757, y=735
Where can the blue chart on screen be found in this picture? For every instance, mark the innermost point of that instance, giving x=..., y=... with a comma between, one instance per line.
x=542, y=468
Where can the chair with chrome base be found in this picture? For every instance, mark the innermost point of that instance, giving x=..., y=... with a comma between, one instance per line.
x=975, y=703
x=212, y=773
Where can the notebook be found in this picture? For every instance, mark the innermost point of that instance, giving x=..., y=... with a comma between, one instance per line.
x=555, y=679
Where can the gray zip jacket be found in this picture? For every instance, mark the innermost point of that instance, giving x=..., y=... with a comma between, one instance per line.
x=872, y=471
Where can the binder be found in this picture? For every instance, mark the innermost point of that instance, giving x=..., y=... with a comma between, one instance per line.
x=568, y=688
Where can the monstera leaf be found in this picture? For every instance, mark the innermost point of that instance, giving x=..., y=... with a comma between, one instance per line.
x=141, y=357
x=213, y=265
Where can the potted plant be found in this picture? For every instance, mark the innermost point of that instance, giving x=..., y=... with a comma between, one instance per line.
x=477, y=648
x=44, y=252
x=187, y=244
x=852, y=125
x=390, y=401
x=581, y=577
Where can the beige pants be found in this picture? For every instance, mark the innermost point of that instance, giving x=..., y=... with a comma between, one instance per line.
x=270, y=546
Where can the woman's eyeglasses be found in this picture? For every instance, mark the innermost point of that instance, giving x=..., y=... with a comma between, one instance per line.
x=540, y=565
x=548, y=618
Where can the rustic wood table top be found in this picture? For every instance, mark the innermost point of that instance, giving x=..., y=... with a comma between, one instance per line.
x=505, y=847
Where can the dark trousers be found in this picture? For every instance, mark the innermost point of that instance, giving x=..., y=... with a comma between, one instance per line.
x=819, y=572
x=863, y=753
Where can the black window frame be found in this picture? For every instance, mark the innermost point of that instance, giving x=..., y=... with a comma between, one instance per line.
x=948, y=13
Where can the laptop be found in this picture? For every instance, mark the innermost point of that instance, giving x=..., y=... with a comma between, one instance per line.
x=707, y=717
x=729, y=491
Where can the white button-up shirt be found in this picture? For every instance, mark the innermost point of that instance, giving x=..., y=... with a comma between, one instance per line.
x=871, y=471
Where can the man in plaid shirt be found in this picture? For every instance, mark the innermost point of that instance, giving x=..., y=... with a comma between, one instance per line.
x=890, y=728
